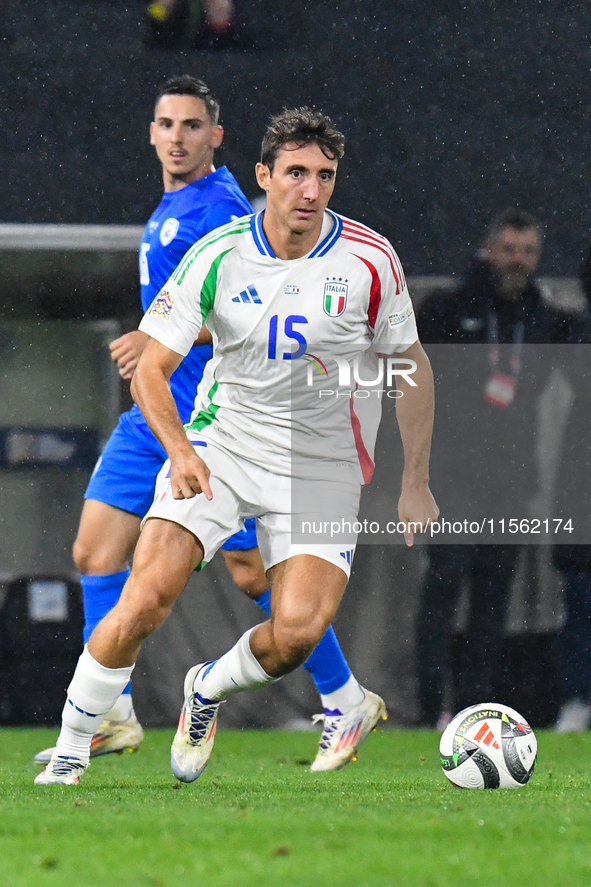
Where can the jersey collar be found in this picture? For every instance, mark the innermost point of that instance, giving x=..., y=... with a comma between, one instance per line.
x=322, y=247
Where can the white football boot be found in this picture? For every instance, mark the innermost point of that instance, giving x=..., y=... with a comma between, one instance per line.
x=62, y=770
x=111, y=737
x=342, y=735
x=193, y=742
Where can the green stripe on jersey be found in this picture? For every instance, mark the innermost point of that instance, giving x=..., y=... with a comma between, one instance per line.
x=209, y=288
x=238, y=227
x=205, y=417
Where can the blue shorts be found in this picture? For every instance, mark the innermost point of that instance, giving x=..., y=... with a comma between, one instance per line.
x=125, y=475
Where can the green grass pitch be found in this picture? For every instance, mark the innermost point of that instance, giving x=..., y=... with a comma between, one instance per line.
x=258, y=817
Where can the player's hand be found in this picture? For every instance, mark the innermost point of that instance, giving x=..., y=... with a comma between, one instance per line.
x=189, y=475
x=127, y=350
x=417, y=509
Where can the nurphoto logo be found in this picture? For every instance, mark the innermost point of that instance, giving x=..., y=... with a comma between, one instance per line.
x=357, y=377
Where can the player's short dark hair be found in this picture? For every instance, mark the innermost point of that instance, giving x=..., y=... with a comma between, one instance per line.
x=518, y=219
x=301, y=126
x=185, y=84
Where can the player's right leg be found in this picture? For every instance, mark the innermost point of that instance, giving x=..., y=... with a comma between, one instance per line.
x=103, y=548
x=119, y=493
x=165, y=557
x=106, y=538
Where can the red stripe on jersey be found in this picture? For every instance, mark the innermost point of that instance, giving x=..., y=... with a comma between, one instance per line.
x=365, y=461
x=399, y=286
x=375, y=295
x=363, y=230
x=366, y=235
x=373, y=239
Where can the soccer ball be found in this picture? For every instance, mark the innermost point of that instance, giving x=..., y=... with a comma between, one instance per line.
x=488, y=746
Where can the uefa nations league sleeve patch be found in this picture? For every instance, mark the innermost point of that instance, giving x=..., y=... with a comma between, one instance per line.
x=162, y=305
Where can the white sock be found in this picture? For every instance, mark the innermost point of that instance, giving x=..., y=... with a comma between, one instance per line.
x=236, y=670
x=345, y=698
x=122, y=710
x=92, y=692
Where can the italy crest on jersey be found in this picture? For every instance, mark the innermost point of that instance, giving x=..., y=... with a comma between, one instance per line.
x=335, y=296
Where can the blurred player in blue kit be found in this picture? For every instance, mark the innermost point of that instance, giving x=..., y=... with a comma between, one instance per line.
x=197, y=199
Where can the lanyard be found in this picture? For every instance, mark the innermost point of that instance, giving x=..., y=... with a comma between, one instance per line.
x=494, y=351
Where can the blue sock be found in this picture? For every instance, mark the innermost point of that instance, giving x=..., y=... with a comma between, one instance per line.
x=100, y=594
x=327, y=666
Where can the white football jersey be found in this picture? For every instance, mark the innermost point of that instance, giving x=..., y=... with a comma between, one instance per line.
x=277, y=391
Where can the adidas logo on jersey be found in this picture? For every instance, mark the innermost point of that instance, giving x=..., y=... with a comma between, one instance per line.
x=249, y=295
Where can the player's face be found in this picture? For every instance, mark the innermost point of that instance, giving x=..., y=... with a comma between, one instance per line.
x=514, y=255
x=298, y=190
x=184, y=138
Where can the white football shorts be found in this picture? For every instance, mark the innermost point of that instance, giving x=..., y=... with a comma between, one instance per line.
x=242, y=490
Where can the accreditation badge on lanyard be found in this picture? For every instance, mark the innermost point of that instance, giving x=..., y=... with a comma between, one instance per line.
x=501, y=385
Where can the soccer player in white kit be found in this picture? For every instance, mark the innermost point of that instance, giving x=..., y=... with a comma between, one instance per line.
x=267, y=286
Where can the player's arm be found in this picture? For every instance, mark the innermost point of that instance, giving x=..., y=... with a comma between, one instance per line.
x=414, y=412
x=127, y=350
x=150, y=389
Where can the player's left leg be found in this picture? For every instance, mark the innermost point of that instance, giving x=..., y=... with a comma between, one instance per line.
x=346, y=726
x=327, y=666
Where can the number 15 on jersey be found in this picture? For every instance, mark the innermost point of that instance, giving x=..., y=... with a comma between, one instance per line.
x=290, y=331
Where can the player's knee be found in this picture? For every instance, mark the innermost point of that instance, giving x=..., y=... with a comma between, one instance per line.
x=295, y=641
x=248, y=576
x=96, y=560
x=251, y=581
x=84, y=558
x=144, y=607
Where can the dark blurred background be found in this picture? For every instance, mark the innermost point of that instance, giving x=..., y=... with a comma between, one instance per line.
x=452, y=111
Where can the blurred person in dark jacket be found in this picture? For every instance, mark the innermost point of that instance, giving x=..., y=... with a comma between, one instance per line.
x=483, y=457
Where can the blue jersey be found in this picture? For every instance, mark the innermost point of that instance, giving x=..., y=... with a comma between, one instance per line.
x=182, y=218
x=127, y=469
